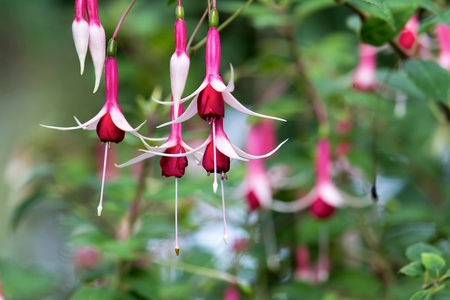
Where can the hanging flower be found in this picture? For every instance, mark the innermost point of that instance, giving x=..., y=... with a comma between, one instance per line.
x=364, y=77
x=97, y=41
x=258, y=186
x=109, y=123
x=80, y=32
x=443, y=39
x=326, y=196
x=407, y=37
x=231, y=293
x=209, y=98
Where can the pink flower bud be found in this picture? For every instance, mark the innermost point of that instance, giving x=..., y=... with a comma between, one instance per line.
x=443, y=39
x=303, y=269
x=231, y=293
x=86, y=258
x=80, y=32
x=97, y=41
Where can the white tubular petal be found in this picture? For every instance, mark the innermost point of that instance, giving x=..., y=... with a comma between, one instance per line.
x=197, y=91
x=193, y=155
x=294, y=206
x=179, y=69
x=138, y=159
x=97, y=48
x=120, y=121
x=181, y=154
x=330, y=194
x=249, y=156
x=86, y=125
x=233, y=102
x=218, y=84
x=224, y=145
x=190, y=111
x=350, y=200
x=154, y=139
x=80, y=32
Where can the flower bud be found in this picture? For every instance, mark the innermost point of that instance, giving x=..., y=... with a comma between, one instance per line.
x=80, y=32
x=408, y=36
x=97, y=41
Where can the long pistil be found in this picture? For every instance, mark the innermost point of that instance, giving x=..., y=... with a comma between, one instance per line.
x=100, y=207
x=177, y=249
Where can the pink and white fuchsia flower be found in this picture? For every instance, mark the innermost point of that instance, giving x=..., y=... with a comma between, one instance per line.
x=443, y=39
x=110, y=123
x=407, y=37
x=364, y=77
x=209, y=98
x=80, y=32
x=326, y=196
x=258, y=186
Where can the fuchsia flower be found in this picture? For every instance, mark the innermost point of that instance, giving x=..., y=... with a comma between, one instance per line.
x=258, y=186
x=443, y=39
x=110, y=123
x=364, y=77
x=97, y=41
x=407, y=37
x=80, y=32
x=86, y=258
x=210, y=96
x=326, y=196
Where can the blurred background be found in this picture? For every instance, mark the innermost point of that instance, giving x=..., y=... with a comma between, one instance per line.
x=389, y=150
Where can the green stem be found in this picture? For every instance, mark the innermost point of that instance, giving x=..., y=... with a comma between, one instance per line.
x=224, y=24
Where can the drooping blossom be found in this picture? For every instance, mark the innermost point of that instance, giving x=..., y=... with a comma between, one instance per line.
x=109, y=123
x=258, y=186
x=364, y=77
x=309, y=272
x=80, y=32
x=407, y=37
x=97, y=41
x=231, y=293
x=326, y=196
x=209, y=98
x=443, y=39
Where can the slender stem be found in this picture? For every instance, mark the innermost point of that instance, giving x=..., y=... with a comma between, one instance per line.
x=224, y=24
x=179, y=2
x=196, y=29
x=100, y=207
x=214, y=4
x=225, y=235
x=121, y=19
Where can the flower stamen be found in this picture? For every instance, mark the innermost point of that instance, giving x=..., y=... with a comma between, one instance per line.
x=225, y=235
x=100, y=207
x=177, y=249
x=215, y=158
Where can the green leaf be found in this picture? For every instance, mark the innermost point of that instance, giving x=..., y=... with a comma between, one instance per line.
x=440, y=17
x=429, y=77
x=421, y=295
x=95, y=293
x=375, y=8
x=376, y=31
x=170, y=2
x=414, y=269
x=432, y=262
x=413, y=252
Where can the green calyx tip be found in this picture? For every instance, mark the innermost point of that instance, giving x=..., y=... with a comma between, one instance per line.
x=324, y=130
x=214, y=18
x=180, y=12
x=112, y=48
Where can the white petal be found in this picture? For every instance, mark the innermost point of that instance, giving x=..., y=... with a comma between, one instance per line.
x=80, y=32
x=330, y=194
x=169, y=103
x=224, y=145
x=233, y=102
x=218, y=84
x=86, y=125
x=181, y=154
x=137, y=159
x=230, y=86
x=249, y=156
x=197, y=91
x=294, y=206
x=120, y=121
x=154, y=139
x=97, y=48
x=179, y=69
x=188, y=113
